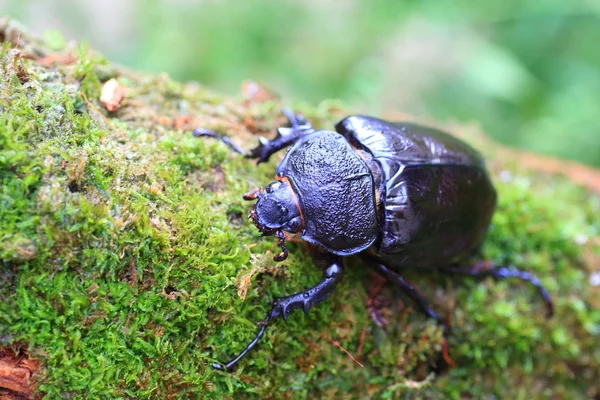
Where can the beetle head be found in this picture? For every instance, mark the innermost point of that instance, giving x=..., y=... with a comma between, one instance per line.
x=275, y=211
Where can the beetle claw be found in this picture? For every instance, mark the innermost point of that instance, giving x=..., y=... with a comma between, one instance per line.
x=218, y=366
x=295, y=120
x=286, y=135
x=286, y=312
x=280, y=308
x=283, y=131
x=306, y=307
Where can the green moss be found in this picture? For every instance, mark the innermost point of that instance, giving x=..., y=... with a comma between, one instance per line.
x=122, y=241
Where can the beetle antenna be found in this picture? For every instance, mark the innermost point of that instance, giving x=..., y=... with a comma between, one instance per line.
x=284, y=251
x=253, y=194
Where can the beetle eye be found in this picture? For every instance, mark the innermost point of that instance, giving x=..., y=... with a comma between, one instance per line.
x=294, y=225
x=272, y=187
x=284, y=211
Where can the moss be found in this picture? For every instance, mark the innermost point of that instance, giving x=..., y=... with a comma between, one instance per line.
x=122, y=250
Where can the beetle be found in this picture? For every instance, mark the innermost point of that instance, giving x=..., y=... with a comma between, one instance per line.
x=398, y=194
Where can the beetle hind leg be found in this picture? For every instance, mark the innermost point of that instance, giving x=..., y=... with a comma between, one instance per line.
x=484, y=268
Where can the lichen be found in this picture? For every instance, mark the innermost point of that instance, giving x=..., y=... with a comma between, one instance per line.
x=123, y=238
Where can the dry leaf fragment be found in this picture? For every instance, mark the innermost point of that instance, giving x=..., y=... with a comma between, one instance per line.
x=112, y=94
x=182, y=121
x=57, y=59
x=260, y=263
x=256, y=93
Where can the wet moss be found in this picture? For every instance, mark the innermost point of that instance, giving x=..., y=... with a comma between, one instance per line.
x=123, y=252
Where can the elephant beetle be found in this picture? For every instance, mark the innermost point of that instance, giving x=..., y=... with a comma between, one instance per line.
x=397, y=194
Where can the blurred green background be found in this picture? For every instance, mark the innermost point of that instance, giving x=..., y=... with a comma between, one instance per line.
x=528, y=72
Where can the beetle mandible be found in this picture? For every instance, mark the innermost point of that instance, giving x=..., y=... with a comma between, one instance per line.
x=398, y=194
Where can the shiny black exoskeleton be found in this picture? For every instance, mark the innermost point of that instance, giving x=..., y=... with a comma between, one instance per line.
x=400, y=194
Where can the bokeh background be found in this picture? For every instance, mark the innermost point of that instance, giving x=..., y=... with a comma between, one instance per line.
x=528, y=72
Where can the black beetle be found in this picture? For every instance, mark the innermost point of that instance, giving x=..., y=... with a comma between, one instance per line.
x=400, y=194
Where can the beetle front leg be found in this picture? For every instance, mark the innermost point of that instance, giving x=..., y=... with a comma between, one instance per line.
x=281, y=307
x=208, y=133
x=286, y=136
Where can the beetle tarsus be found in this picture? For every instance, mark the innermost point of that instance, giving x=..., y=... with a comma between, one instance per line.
x=283, y=306
x=227, y=367
x=208, y=133
x=488, y=269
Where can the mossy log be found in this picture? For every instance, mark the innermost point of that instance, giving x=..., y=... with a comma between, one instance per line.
x=128, y=265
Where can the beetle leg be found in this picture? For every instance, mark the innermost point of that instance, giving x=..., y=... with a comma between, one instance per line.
x=295, y=120
x=286, y=136
x=488, y=269
x=332, y=275
x=281, y=307
x=207, y=133
x=411, y=291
